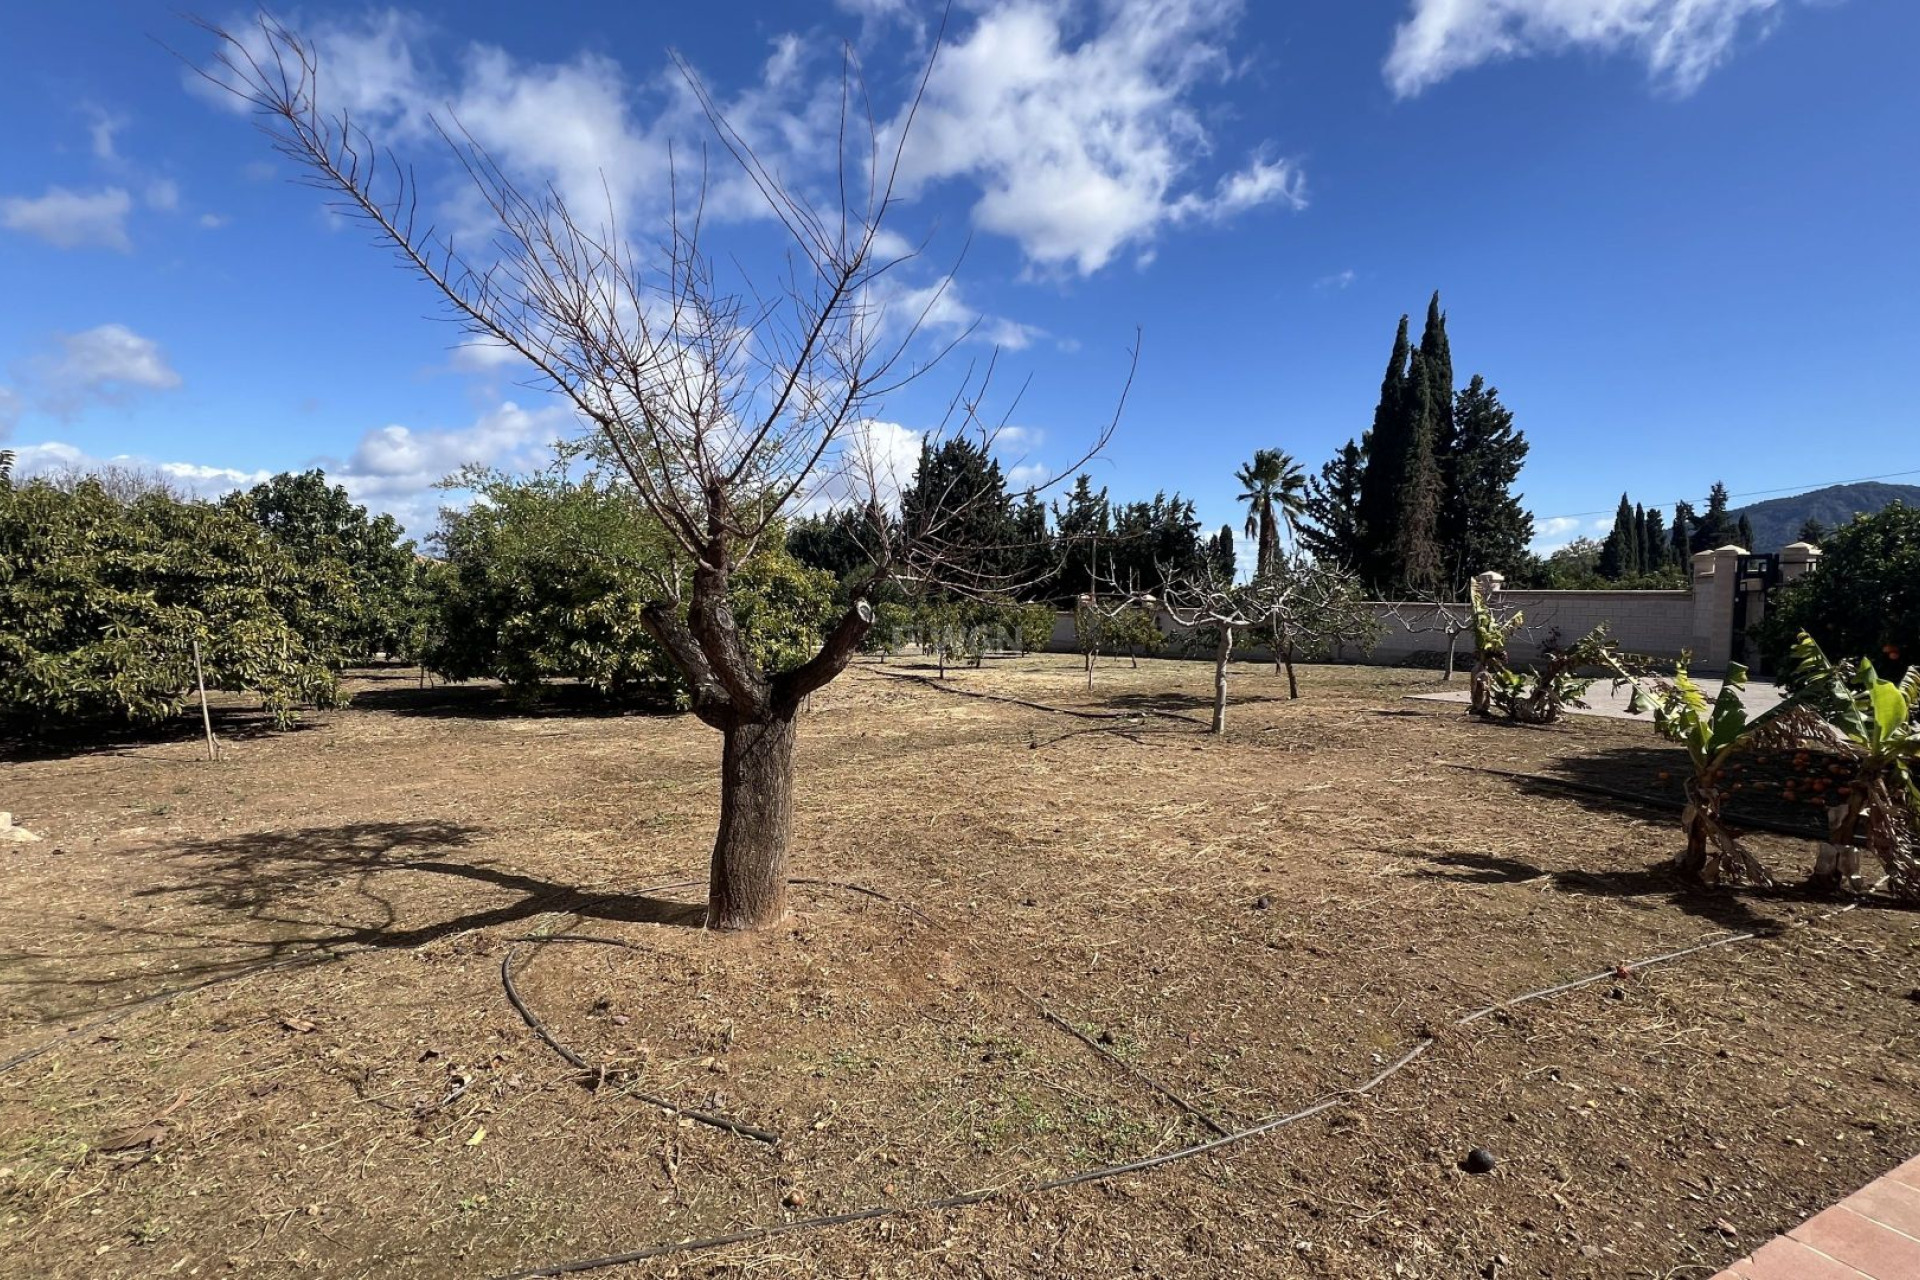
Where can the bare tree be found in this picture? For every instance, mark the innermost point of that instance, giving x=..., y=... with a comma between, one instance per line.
x=724, y=407
x=1434, y=614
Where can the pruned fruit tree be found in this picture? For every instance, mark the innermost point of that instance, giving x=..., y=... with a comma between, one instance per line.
x=725, y=405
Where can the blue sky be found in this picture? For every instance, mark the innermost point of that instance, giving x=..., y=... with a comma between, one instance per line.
x=1677, y=234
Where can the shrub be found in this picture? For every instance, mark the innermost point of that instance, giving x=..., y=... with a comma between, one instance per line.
x=102, y=597
x=1862, y=598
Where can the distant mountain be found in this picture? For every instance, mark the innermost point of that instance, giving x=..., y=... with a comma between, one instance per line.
x=1777, y=521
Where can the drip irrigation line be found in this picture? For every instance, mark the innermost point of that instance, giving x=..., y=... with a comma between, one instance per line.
x=1105, y=1173
x=1056, y=1020
x=598, y=1072
x=1665, y=804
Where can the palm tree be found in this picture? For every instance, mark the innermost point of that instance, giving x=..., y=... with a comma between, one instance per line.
x=1272, y=485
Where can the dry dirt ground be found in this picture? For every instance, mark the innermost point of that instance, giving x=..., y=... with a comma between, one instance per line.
x=1246, y=925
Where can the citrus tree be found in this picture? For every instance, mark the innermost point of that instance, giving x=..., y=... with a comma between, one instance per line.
x=102, y=600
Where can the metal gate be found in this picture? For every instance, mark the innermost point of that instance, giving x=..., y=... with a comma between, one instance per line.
x=1754, y=577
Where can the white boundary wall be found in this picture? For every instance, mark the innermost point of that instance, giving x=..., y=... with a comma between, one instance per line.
x=1660, y=624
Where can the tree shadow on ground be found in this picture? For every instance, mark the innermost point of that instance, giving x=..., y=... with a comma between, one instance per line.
x=327, y=891
x=1167, y=700
x=494, y=702
x=107, y=737
x=1638, y=770
x=1654, y=887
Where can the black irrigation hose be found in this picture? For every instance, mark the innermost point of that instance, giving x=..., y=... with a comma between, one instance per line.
x=592, y=1071
x=1107, y=1172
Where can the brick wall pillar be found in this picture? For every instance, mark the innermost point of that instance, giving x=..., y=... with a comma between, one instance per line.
x=1797, y=559
x=1714, y=584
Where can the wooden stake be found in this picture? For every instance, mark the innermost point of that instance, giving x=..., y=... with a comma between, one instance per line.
x=206, y=717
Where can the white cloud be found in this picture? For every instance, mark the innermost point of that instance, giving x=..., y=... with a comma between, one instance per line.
x=1338, y=280
x=1681, y=41
x=163, y=194
x=213, y=221
x=398, y=459
x=1083, y=141
x=940, y=310
x=874, y=458
x=55, y=457
x=485, y=355
x=109, y=363
x=101, y=132
x=1078, y=125
x=72, y=219
x=9, y=410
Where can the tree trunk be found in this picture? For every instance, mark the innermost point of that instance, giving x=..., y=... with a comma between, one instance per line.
x=748, y=886
x=1293, y=683
x=1220, y=656
x=1453, y=639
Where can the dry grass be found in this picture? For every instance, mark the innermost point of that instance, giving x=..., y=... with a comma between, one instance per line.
x=1252, y=922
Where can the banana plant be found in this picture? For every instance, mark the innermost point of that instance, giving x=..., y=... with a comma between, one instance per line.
x=1491, y=674
x=1872, y=720
x=1713, y=732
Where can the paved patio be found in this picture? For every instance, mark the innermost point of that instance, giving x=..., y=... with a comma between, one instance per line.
x=1874, y=1234
x=1604, y=700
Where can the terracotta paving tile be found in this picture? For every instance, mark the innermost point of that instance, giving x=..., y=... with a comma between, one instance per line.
x=1861, y=1243
x=1785, y=1258
x=1889, y=1203
x=1909, y=1173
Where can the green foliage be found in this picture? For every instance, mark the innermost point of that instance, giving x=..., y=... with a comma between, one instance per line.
x=1434, y=488
x=892, y=628
x=547, y=577
x=317, y=524
x=958, y=509
x=1483, y=525
x=1875, y=721
x=1033, y=626
x=1274, y=489
x=1713, y=732
x=101, y=599
x=783, y=608
x=1863, y=595
x=1330, y=513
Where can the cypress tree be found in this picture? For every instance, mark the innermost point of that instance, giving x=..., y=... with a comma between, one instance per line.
x=1812, y=530
x=1416, y=546
x=1386, y=449
x=1744, y=531
x=1617, y=552
x=1655, y=553
x=1220, y=554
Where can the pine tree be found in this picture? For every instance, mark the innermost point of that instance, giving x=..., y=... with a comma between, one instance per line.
x=1385, y=446
x=1811, y=530
x=1714, y=529
x=1330, y=516
x=1084, y=528
x=1682, y=534
x=1484, y=526
x=958, y=504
